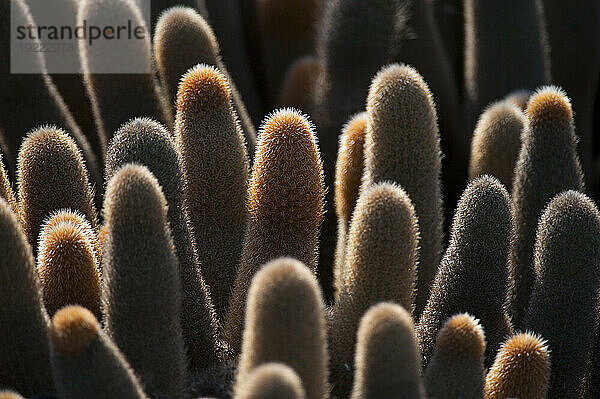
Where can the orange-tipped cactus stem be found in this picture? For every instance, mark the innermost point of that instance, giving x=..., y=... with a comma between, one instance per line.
x=215, y=168
x=286, y=205
x=68, y=263
x=348, y=176
x=521, y=369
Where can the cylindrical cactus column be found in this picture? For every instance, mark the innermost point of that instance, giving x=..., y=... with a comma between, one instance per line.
x=387, y=361
x=564, y=299
x=85, y=362
x=285, y=322
x=142, y=293
x=402, y=145
x=24, y=356
x=215, y=169
x=286, y=206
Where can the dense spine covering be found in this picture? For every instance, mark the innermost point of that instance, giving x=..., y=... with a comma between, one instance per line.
x=590, y=386
x=287, y=32
x=350, y=49
x=148, y=143
x=216, y=381
x=10, y=395
x=142, y=295
x=32, y=99
x=159, y=7
x=215, y=168
x=381, y=265
x=184, y=39
x=520, y=98
x=85, y=362
x=574, y=37
x=67, y=263
x=286, y=205
x=403, y=146
x=456, y=367
x=473, y=275
x=505, y=50
x=285, y=322
x=541, y=172
x=6, y=190
x=563, y=302
x=300, y=83
x=348, y=175
x=387, y=355
x=521, y=369
x=118, y=97
x=51, y=175
x=24, y=357
x=271, y=381
x=496, y=142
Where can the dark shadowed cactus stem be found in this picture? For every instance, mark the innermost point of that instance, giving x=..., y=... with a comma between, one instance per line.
x=541, y=172
x=6, y=190
x=505, y=50
x=474, y=273
x=563, y=302
x=288, y=30
x=353, y=43
x=32, y=99
x=85, y=362
x=142, y=296
x=120, y=82
x=147, y=142
x=24, y=357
